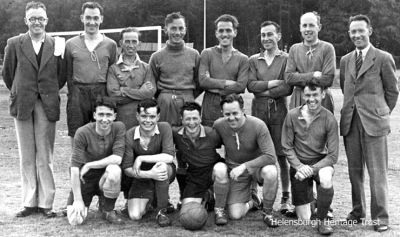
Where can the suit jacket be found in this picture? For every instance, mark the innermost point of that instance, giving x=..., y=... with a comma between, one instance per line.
x=373, y=92
x=27, y=81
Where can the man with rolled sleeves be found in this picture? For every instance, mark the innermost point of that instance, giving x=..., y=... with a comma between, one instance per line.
x=32, y=73
x=369, y=85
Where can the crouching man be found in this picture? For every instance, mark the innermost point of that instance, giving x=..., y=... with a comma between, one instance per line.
x=250, y=155
x=310, y=141
x=147, y=160
x=98, y=150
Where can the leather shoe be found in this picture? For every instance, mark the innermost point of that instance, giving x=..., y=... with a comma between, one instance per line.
x=26, y=211
x=324, y=227
x=112, y=217
x=381, y=228
x=47, y=212
x=270, y=221
x=354, y=219
x=162, y=218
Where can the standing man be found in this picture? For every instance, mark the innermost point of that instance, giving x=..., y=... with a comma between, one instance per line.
x=310, y=142
x=32, y=73
x=250, y=156
x=369, y=85
x=223, y=69
x=127, y=80
x=311, y=60
x=98, y=150
x=148, y=161
x=174, y=68
x=88, y=57
x=270, y=90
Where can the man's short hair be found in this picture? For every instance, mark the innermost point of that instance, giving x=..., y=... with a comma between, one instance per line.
x=360, y=17
x=190, y=106
x=313, y=86
x=107, y=102
x=267, y=23
x=147, y=103
x=315, y=14
x=128, y=29
x=230, y=99
x=92, y=5
x=34, y=5
x=227, y=18
x=172, y=16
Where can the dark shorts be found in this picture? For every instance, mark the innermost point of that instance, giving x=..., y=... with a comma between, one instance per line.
x=211, y=108
x=126, y=113
x=81, y=104
x=145, y=188
x=198, y=181
x=302, y=191
x=171, y=102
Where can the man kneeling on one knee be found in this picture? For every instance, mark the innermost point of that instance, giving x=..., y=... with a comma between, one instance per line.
x=148, y=161
x=310, y=141
x=97, y=154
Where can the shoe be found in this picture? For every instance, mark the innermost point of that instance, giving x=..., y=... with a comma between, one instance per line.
x=355, y=220
x=270, y=220
x=257, y=203
x=63, y=211
x=170, y=208
x=112, y=217
x=179, y=206
x=324, y=227
x=162, y=218
x=329, y=215
x=381, y=228
x=26, y=211
x=124, y=211
x=285, y=206
x=209, y=200
x=220, y=216
x=47, y=212
x=291, y=214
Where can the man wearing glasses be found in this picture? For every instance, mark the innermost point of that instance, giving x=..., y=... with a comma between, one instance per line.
x=88, y=57
x=31, y=70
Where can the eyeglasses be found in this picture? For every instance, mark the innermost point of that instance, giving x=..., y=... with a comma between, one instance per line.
x=34, y=19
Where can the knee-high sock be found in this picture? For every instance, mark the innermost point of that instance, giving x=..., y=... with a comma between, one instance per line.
x=162, y=196
x=221, y=193
x=324, y=201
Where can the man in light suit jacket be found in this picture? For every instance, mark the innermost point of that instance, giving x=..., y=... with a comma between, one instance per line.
x=31, y=72
x=369, y=84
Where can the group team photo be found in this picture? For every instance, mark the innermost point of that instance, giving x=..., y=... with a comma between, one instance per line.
x=100, y=139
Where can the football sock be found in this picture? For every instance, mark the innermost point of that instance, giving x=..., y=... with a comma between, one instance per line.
x=324, y=201
x=221, y=193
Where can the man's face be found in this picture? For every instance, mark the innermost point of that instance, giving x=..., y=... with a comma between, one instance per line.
x=191, y=120
x=359, y=33
x=233, y=114
x=91, y=20
x=313, y=98
x=309, y=28
x=129, y=43
x=36, y=20
x=225, y=33
x=176, y=31
x=104, y=117
x=269, y=37
x=148, y=118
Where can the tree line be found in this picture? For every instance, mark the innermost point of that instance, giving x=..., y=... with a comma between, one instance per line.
x=64, y=16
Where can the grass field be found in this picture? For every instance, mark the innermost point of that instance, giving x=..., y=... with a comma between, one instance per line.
x=10, y=200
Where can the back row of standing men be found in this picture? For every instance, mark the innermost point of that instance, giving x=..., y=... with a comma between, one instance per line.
x=177, y=74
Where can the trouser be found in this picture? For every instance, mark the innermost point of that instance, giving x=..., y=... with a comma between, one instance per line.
x=171, y=102
x=35, y=138
x=211, y=108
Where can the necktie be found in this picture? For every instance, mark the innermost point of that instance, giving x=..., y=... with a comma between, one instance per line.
x=359, y=61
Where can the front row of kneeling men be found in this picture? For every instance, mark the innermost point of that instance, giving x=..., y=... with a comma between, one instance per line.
x=145, y=155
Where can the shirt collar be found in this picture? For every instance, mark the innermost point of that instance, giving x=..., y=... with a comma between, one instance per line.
x=262, y=54
x=121, y=59
x=137, y=132
x=41, y=40
x=364, y=51
x=202, y=131
x=300, y=116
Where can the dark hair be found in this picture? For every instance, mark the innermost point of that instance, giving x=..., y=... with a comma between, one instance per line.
x=128, y=29
x=227, y=18
x=172, y=16
x=315, y=14
x=190, y=106
x=232, y=98
x=147, y=103
x=34, y=5
x=313, y=85
x=267, y=23
x=92, y=5
x=107, y=102
x=360, y=17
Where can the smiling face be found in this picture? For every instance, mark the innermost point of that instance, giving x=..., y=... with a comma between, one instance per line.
x=91, y=19
x=225, y=33
x=104, y=117
x=233, y=114
x=191, y=120
x=309, y=28
x=148, y=119
x=313, y=98
x=176, y=31
x=129, y=43
x=36, y=20
x=359, y=33
x=269, y=37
